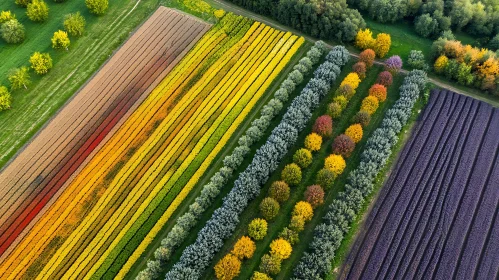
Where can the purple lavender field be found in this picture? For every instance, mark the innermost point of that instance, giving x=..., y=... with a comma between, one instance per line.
x=437, y=216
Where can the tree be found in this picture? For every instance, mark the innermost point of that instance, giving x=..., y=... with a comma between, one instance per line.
x=23, y=3
x=297, y=223
x=352, y=79
x=464, y=75
x=370, y=104
x=19, y=78
x=314, y=195
x=440, y=64
x=291, y=174
x=290, y=235
x=360, y=68
x=363, y=118
x=74, y=24
x=343, y=145
x=426, y=26
x=346, y=90
x=364, y=39
x=304, y=209
x=41, y=63
x=12, y=31
x=382, y=45
x=334, y=110
x=270, y=264
x=244, y=248
x=461, y=13
x=393, y=64
x=325, y=178
x=38, y=11
x=60, y=40
x=5, y=98
x=367, y=57
x=313, y=142
x=354, y=132
x=257, y=229
x=260, y=276
x=385, y=78
x=97, y=7
x=416, y=60
x=228, y=267
x=493, y=43
x=280, y=248
x=323, y=126
x=335, y=163
x=269, y=208
x=303, y=158
x=387, y=10
x=6, y=16
x=279, y=191
x=341, y=100
x=378, y=91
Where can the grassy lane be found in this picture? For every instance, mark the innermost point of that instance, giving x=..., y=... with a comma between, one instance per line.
x=32, y=108
x=307, y=235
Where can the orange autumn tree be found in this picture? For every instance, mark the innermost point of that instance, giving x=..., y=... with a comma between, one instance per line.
x=378, y=91
x=367, y=57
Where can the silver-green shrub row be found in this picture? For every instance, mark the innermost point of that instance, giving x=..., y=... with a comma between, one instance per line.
x=258, y=127
x=196, y=257
x=316, y=262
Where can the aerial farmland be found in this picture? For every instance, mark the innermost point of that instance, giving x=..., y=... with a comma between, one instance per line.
x=238, y=139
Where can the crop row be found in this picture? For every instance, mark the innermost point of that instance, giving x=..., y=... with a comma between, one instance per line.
x=90, y=184
x=438, y=213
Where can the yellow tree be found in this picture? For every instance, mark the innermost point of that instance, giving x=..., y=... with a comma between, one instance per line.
x=244, y=248
x=281, y=248
x=19, y=78
x=335, y=163
x=364, y=39
x=228, y=267
x=41, y=63
x=382, y=44
x=440, y=64
x=5, y=98
x=60, y=40
x=355, y=131
x=304, y=209
x=6, y=16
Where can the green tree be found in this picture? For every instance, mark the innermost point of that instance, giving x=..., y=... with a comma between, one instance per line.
x=97, y=7
x=60, y=40
x=464, y=75
x=5, y=98
x=13, y=31
x=19, y=78
x=38, y=11
x=74, y=24
x=41, y=63
x=461, y=13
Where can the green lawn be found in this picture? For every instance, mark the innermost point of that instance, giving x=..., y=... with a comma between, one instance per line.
x=32, y=108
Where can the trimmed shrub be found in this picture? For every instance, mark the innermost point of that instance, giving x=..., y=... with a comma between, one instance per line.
x=335, y=163
x=313, y=142
x=363, y=118
x=385, y=78
x=228, y=267
x=279, y=191
x=291, y=174
x=355, y=132
x=325, y=178
x=370, y=104
x=393, y=64
x=341, y=100
x=269, y=208
x=416, y=60
x=323, y=126
x=244, y=248
x=270, y=264
x=297, y=223
x=314, y=195
x=378, y=91
x=367, y=56
x=304, y=209
x=257, y=229
x=334, y=110
x=281, y=248
x=346, y=90
x=360, y=68
x=290, y=235
x=12, y=31
x=260, y=276
x=302, y=157
x=343, y=145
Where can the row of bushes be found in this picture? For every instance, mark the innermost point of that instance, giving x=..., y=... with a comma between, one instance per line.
x=210, y=191
x=224, y=220
x=316, y=263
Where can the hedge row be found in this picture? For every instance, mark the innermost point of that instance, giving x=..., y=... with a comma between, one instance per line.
x=316, y=262
x=196, y=257
x=187, y=221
